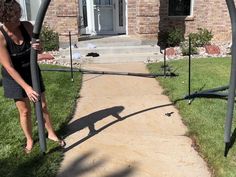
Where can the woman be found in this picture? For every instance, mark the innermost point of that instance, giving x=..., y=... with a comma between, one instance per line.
x=15, y=47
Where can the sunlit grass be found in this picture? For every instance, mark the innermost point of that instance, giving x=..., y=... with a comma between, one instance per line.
x=204, y=117
x=61, y=95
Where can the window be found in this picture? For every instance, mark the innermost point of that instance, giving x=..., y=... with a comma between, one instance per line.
x=180, y=7
x=84, y=19
x=121, y=14
x=102, y=2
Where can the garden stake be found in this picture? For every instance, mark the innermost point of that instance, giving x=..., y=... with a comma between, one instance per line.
x=165, y=66
x=165, y=62
x=71, y=67
x=189, y=69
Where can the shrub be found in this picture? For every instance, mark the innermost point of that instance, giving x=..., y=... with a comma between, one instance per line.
x=170, y=38
x=201, y=38
x=49, y=38
x=175, y=37
x=185, y=48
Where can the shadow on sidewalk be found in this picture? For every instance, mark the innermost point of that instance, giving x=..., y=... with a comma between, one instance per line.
x=83, y=165
x=91, y=119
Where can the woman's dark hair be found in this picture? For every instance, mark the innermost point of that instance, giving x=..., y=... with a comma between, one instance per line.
x=6, y=9
x=7, y=1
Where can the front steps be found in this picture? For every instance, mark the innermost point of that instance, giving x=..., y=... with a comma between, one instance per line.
x=113, y=49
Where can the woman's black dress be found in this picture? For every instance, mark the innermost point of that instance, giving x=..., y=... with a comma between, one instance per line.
x=20, y=57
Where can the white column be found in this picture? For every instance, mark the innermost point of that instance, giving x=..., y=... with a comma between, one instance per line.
x=90, y=15
x=126, y=17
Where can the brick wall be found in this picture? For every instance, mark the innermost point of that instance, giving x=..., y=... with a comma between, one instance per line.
x=62, y=17
x=143, y=18
x=218, y=19
x=148, y=17
x=131, y=17
x=212, y=15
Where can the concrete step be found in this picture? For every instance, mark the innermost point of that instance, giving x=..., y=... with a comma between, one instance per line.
x=109, y=40
x=124, y=58
x=120, y=58
x=115, y=40
x=113, y=50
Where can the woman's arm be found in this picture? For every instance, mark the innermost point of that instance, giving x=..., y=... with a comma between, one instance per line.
x=5, y=61
x=29, y=28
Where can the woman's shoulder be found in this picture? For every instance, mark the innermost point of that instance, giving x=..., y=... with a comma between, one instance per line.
x=28, y=26
x=27, y=23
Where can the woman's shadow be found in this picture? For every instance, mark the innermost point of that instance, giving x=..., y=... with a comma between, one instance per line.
x=90, y=120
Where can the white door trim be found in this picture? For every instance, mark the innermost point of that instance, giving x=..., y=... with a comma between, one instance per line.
x=90, y=29
x=126, y=16
x=90, y=15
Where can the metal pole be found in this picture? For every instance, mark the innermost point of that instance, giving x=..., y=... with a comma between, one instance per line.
x=189, y=68
x=232, y=85
x=35, y=73
x=71, y=66
x=165, y=62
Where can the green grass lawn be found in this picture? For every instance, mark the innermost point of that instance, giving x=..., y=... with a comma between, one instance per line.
x=61, y=95
x=204, y=117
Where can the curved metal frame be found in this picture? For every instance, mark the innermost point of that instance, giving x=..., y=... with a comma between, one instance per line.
x=232, y=84
x=36, y=84
x=35, y=73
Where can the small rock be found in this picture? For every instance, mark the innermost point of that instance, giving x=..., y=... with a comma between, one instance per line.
x=45, y=56
x=170, y=51
x=212, y=49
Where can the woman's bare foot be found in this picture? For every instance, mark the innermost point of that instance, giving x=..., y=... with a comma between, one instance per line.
x=29, y=146
x=60, y=142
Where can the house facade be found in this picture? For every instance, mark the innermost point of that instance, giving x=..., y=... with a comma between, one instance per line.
x=141, y=18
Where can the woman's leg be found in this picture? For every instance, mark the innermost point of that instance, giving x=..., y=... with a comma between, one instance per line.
x=23, y=106
x=48, y=124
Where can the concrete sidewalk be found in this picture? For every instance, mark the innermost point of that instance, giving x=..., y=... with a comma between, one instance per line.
x=120, y=130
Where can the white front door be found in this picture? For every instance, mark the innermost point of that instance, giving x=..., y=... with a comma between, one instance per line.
x=103, y=16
